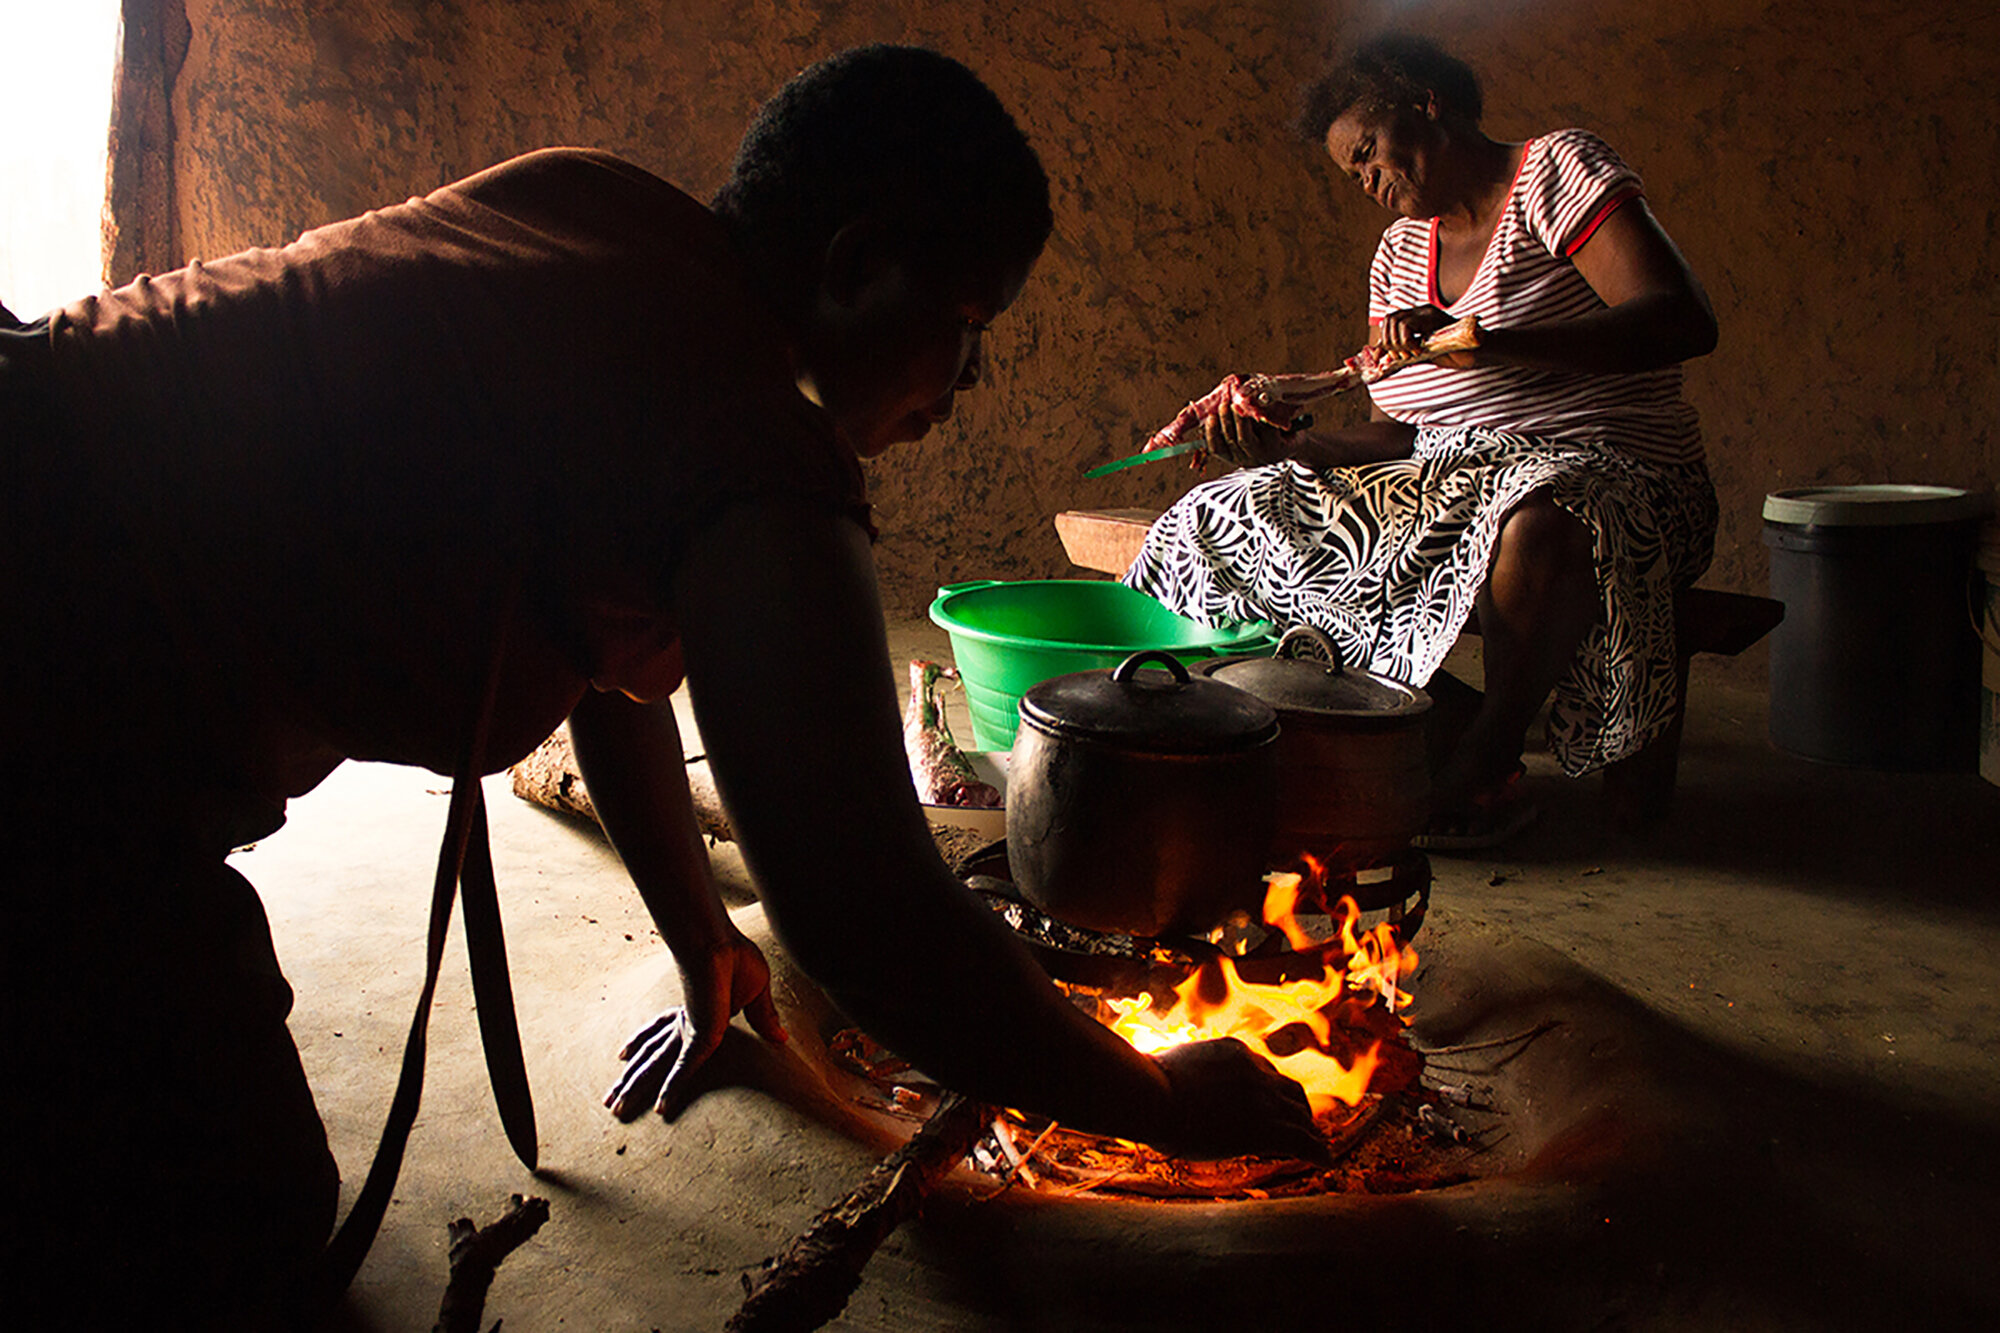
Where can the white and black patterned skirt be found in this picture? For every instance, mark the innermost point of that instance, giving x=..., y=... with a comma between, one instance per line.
x=1388, y=557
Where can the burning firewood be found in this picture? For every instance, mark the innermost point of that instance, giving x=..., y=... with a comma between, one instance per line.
x=808, y=1282
x=476, y=1253
x=1062, y=1162
x=1322, y=1004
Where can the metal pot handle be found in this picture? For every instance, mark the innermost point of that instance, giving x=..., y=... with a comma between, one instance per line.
x=1127, y=669
x=1323, y=649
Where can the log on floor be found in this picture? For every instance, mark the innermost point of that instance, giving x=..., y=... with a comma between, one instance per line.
x=550, y=778
x=807, y=1285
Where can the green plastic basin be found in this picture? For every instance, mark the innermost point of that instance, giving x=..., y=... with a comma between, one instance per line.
x=1007, y=638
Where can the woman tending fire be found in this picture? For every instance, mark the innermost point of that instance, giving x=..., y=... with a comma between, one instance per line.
x=418, y=487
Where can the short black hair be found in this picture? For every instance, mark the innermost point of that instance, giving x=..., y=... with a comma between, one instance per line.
x=1391, y=70
x=895, y=131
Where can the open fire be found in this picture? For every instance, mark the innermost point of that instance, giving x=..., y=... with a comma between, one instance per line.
x=1309, y=988
x=1316, y=991
x=1330, y=1011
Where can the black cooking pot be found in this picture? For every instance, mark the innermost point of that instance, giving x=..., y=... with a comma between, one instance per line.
x=1141, y=800
x=1354, y=781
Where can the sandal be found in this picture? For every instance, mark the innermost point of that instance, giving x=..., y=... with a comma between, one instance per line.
x=1488, y=819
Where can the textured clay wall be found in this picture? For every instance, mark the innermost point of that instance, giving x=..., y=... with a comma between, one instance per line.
x=1830, y=171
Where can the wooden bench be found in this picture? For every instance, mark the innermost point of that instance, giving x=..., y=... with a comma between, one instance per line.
x=1639, y=788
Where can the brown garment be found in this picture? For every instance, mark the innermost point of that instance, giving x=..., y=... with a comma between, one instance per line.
x=317, y=473
x=156, y=1109
x=264, y=513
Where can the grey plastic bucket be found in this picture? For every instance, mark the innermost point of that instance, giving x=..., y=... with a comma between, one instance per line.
x=1876, y=664
x=1989, y=661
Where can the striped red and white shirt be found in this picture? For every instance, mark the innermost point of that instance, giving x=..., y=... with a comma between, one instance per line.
x=1568, y=183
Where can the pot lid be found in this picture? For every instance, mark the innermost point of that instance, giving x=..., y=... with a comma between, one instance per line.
x=1150, y=702
x=1305, y=675
x=1874, y=506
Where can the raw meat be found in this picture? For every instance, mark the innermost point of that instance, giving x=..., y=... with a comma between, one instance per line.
x=937, y=766
x=1276, y=400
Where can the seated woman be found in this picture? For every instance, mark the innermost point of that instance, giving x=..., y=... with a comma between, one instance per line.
x=1552, y=480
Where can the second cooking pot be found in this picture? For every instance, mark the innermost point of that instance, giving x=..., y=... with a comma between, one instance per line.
x=1353, y=778
x=1141, y=800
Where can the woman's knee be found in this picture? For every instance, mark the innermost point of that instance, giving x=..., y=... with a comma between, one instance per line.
x=1546, y=543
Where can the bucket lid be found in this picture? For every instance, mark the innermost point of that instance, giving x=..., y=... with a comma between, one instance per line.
x=1874, y=506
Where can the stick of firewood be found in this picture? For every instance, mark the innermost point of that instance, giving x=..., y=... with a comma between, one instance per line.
x=475, y=1255
x=1360, y=1127
x=808, y=1282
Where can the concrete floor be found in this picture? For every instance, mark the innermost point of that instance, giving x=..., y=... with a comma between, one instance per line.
x=1830, y=937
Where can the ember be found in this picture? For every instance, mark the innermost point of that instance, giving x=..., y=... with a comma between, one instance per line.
x=1323, y=1031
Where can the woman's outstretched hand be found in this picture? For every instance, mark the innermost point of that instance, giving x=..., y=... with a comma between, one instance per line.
x=1231, y=1101
x=663, y=1057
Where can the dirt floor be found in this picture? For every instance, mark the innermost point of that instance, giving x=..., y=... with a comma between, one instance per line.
x=1775, y=1104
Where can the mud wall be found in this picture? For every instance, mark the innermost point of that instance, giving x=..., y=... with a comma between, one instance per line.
x=1830, y=172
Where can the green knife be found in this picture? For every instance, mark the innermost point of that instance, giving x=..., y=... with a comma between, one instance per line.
x=1147, y=456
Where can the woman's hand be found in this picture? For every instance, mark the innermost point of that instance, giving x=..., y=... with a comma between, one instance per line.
x=1244, y=441
x=1230, y=1101
x=662, y=1058
x=1408, y=330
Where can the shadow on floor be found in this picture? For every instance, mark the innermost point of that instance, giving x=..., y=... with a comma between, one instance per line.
x=1746, y=808
x=1780, y=1203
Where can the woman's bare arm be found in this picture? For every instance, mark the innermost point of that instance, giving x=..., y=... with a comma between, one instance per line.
x=631, y=760
x=1656, y=312
x=788, y=670
x=1377, y=440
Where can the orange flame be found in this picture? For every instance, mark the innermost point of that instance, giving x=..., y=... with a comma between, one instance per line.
x=1365, y=967
x=1377, y=959
x=1281, y=908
